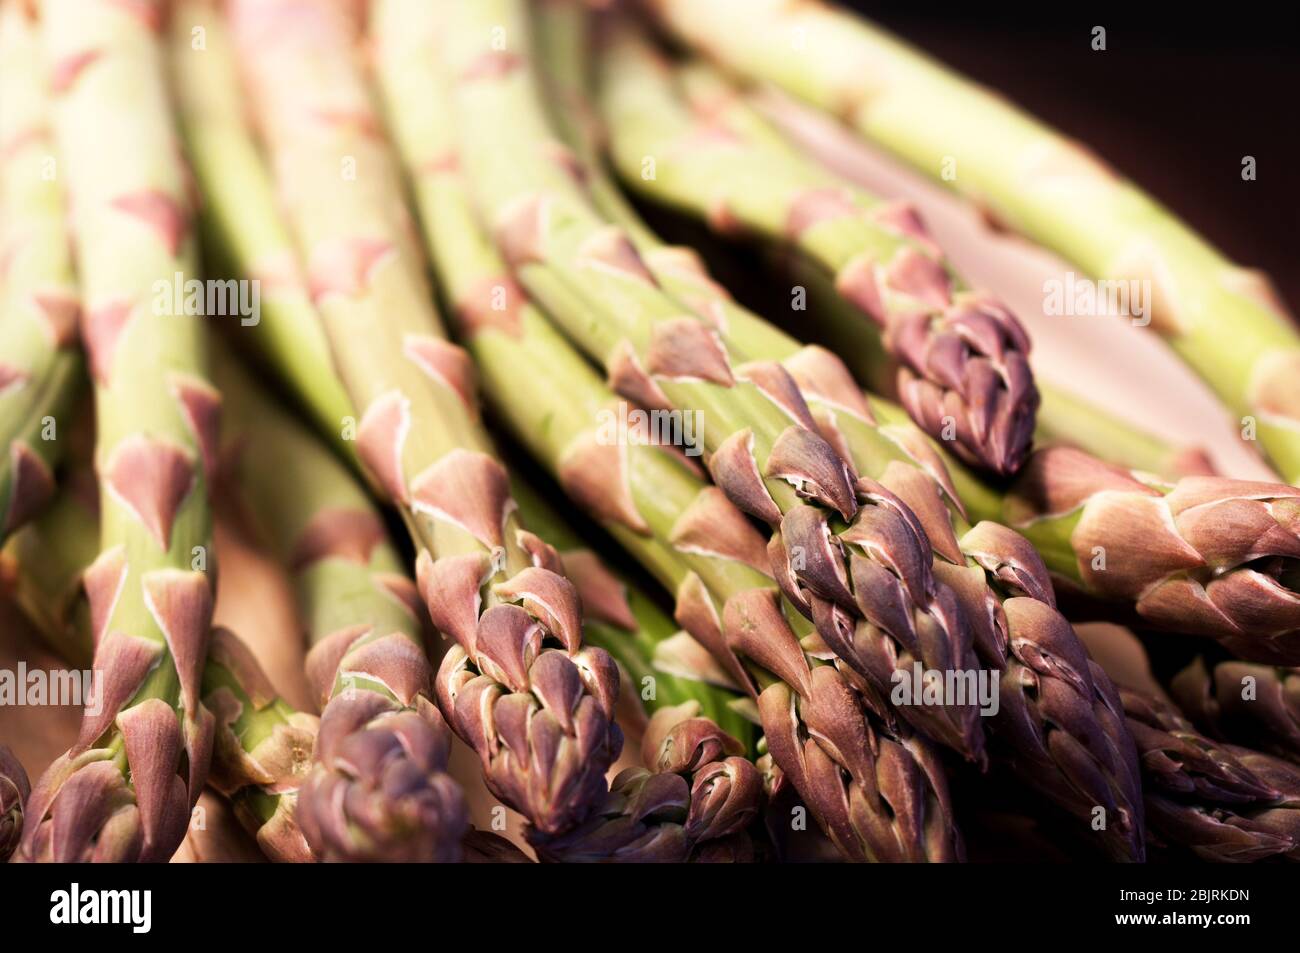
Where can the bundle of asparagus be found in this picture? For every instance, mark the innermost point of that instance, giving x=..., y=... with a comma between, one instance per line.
x=519, y=686
x=999, y=579
x=854, y=617
x=841, y=535
x=964, y=370
x=687, y=533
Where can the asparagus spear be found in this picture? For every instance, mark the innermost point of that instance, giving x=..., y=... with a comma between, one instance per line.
x=40, y=364
x=125, y=790
x=843, y=536
x=263, y=748
x=1225, y=321
x=878, y=794
x=1205, y=555
x=241, y=227
x=379, y=789
x=1222, y=802
x=44, y=560
x=14, y=792
x=539, y=716
x=964, y=375
x=999, y=579
x=1064, y=418
x=1254, y=705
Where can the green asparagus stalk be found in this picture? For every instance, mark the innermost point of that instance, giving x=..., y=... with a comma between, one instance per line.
x=40, y=364
x=142, y=756
x=1203, y=556
x=1224, y=320
x=997, y=575
x=684, y=137
x=1068, y=420
x=379, y=789
x=1253, y=705
x=879, y=795
x=262, y=747
x=764, y=450
x=44, y=562
x=241, y=227
x=518, y=686
x=14, y=792
x=1222, y=802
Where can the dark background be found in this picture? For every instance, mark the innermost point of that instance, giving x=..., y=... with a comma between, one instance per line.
x=1177, y=98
